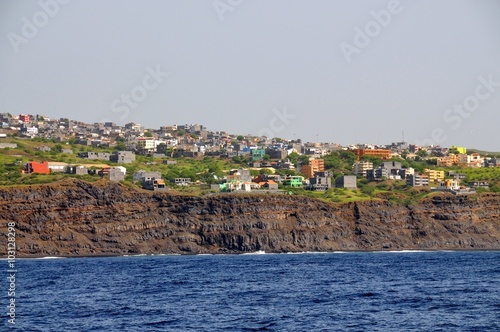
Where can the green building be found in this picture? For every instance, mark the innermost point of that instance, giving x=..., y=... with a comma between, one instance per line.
x=258, y=154
x=293, y=181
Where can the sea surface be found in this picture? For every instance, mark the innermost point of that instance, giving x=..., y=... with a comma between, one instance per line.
x=368, y=291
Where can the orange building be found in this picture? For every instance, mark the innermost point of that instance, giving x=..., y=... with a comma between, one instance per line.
x=315, y=165
x=380, y=153
x=307, y=171
x=447, y=161
x=37, y=167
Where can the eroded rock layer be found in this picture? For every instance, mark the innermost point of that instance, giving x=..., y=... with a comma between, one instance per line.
x=79, y=218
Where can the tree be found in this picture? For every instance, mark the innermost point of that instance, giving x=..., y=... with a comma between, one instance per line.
x=295, y=158
x=375, y=160
x=265, y=171
x=148, y=134
x=240, y=138
x=120, y=146
x=215, y=167
x=57, y=148
x=422, y=153
x=286, y=172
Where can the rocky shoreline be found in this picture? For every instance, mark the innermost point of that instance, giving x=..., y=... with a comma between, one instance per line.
x=76, y=218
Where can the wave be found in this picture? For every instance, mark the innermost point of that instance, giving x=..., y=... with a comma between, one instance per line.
x=400, y=251
x=313, y=252
x=49, y=257
x=258, y=252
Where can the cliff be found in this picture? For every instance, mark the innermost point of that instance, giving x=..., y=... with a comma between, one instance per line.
x=79, y=218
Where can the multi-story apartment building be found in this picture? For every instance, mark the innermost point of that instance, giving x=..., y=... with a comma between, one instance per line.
x=146, y=145
x=315, y=165
x=416, y=180
x=434, y=175
x=447, y=161
x=380, y=153
x=360, y=167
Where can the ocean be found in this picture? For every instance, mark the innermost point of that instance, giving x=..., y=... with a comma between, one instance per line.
x=361, y=291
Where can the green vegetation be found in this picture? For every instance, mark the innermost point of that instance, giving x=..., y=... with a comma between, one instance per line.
x=207, y=170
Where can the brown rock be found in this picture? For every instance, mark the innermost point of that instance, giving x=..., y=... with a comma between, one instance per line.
x=79, y=218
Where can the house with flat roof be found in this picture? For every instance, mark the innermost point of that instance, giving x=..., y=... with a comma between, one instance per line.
x=346, y=181
x=36, y=167
x=293, y=181
x=125, y=157
x=416, y=180
x=320, y=181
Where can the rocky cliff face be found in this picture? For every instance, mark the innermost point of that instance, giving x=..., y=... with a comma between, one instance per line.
x=78, y=218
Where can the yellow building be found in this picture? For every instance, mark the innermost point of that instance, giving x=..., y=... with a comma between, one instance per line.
x=460, y=149
x=434, y=175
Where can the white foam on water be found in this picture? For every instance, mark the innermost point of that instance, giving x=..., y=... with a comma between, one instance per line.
x=49, y=257
x=259, y=252
x=307, y=252
x=399, y=251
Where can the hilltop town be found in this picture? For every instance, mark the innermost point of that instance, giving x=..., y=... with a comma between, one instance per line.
x=193, y=159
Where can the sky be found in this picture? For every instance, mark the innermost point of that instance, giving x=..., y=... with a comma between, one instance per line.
x=335, y=71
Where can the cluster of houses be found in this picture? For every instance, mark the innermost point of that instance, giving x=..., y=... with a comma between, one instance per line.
x=240, y=180
x=189, y=140
x=393, y=170
x=195, y=140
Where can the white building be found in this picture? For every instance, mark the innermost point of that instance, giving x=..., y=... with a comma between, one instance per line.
x=56, y=166
x=360, y=167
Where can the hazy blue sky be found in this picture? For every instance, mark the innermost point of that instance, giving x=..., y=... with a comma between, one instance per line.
x=336, y=71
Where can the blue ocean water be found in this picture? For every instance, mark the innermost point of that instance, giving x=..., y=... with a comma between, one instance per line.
x=370, y=291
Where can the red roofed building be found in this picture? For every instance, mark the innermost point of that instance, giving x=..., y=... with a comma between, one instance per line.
x=270, y=184
x=37, y=167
